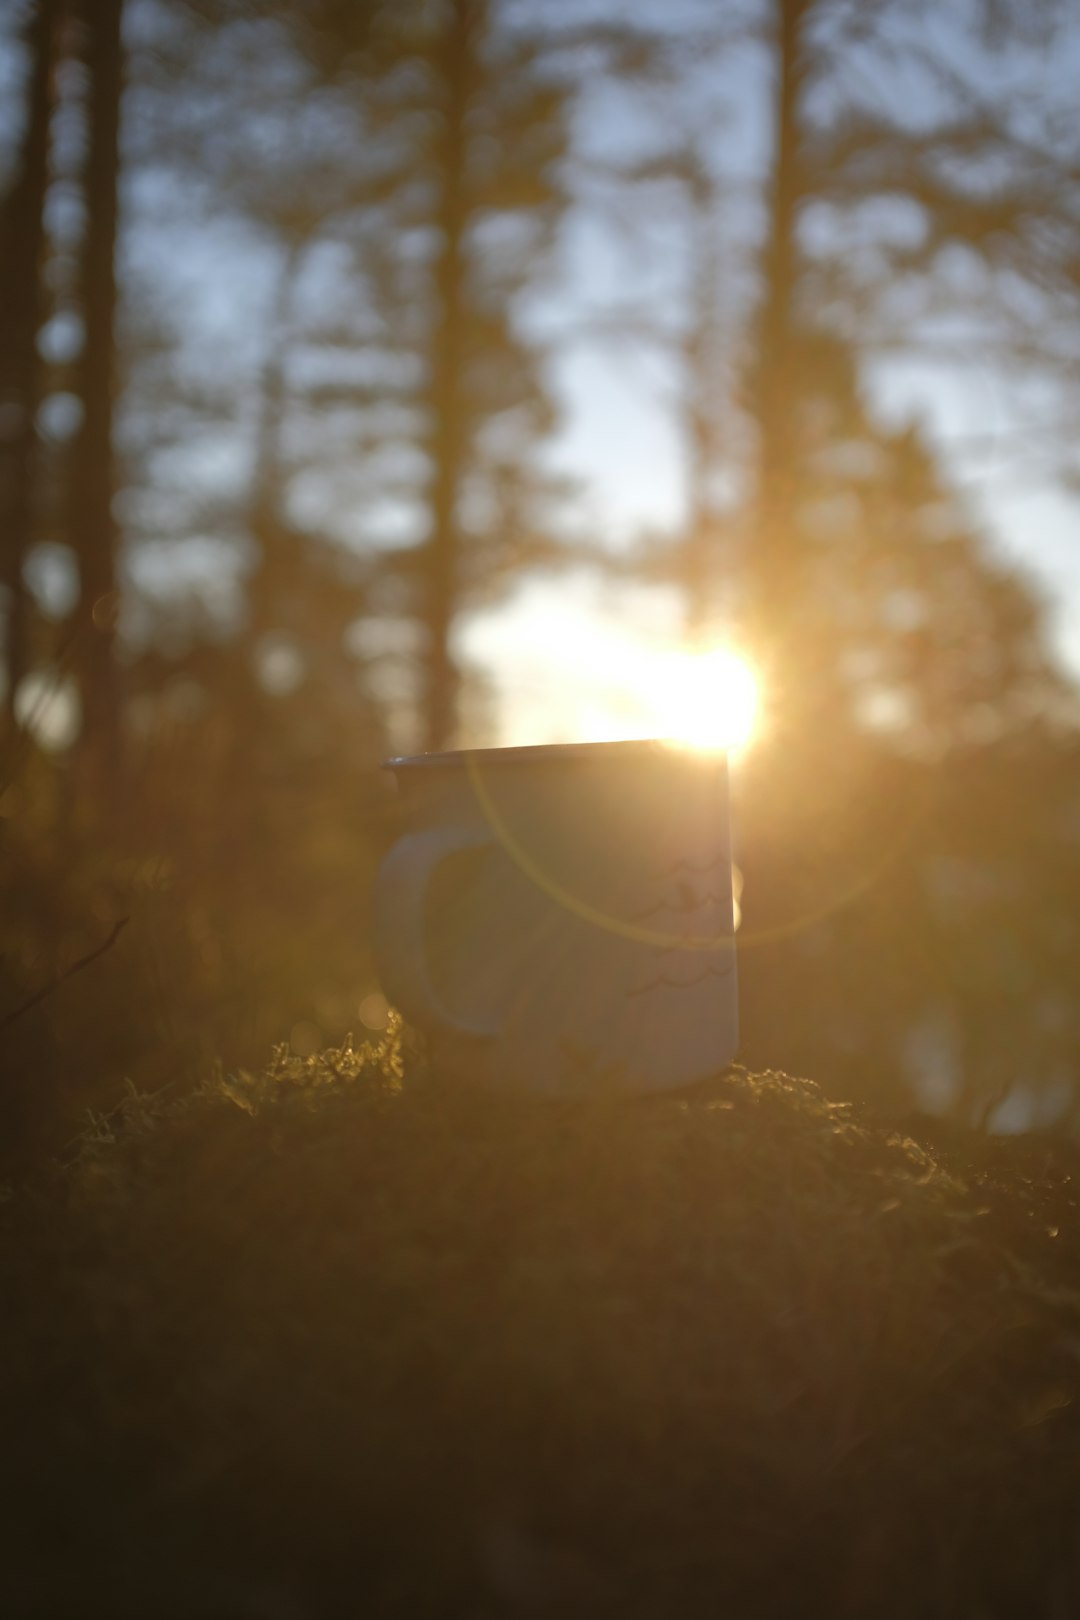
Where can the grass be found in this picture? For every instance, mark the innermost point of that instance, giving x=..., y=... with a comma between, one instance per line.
x=333, y=1341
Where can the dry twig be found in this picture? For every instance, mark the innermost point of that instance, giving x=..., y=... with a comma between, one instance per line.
x=68, y=973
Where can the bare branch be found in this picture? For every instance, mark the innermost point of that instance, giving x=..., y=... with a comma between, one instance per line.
x=68, y=973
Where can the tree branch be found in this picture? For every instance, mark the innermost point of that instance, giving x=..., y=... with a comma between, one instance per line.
x=68, y=973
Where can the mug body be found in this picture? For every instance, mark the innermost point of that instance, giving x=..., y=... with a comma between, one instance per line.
x=577, y=927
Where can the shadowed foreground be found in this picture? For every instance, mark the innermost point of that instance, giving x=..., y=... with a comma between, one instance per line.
x=317, y=1345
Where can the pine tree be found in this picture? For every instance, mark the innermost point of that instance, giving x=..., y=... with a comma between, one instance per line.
x=490, y=122
x=93, y=523
x=423, y=145
x=22, y=312
x=841, y=162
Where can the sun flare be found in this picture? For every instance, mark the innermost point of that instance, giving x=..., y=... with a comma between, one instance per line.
x=708, y=700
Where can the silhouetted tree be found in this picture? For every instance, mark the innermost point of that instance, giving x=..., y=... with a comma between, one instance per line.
x=403, y=375
x=93, y=486
x=842, y=142
x=704, y=356
x=22, y=313
x=490, y=132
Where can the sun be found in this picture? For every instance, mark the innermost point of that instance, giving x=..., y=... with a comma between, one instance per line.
x=707, y=700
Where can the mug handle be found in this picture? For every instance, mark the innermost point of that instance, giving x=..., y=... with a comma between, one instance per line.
x=401, y=887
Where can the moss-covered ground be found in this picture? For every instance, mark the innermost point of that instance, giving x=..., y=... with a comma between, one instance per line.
x=346, y=1340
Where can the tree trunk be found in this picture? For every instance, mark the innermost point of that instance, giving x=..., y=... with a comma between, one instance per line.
x=275, y=570
x=774, y=564
x=93, y=471
x=700, y=358
x=449, y=439
x=22, y=311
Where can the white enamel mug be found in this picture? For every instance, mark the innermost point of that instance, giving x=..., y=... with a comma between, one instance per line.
x=559, y=919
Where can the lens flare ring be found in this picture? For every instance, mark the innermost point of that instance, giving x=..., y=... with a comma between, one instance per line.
x=574, y=904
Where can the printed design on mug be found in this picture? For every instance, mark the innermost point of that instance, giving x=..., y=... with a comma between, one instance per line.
x=694, y=905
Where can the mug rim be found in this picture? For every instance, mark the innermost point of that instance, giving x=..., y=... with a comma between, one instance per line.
x=531, y=753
